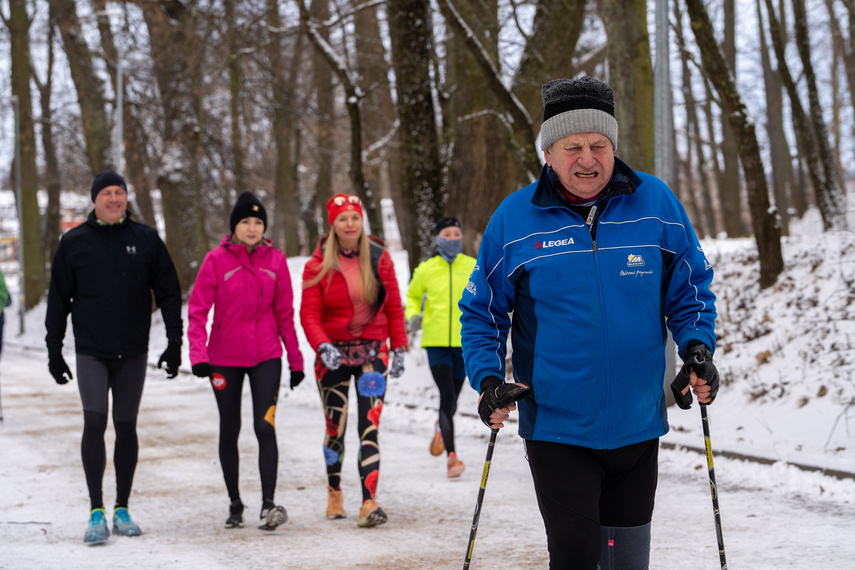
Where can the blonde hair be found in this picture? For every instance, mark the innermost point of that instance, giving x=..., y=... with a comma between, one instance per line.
x=369, y=287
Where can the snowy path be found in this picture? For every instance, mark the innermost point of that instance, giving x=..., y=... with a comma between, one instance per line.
x=774, y=517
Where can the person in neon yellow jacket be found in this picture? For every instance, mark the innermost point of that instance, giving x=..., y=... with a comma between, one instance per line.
x=438, y=283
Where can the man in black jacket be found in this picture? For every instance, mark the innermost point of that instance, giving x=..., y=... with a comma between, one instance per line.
x=103, y=274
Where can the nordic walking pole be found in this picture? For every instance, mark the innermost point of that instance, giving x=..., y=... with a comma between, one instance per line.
x=515, y=393
x=713, y=488
x=480, y=500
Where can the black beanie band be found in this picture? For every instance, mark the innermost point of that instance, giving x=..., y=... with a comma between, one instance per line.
x=247, y=206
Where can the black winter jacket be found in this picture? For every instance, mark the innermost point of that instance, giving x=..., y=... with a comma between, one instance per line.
x=103, y=275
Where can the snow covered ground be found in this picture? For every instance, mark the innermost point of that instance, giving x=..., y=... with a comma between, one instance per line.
x=787, y=360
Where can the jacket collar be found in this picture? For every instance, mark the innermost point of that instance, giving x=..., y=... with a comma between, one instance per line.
x=93, y=221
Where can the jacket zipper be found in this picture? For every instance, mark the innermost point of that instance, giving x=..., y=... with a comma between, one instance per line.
x=450, y=300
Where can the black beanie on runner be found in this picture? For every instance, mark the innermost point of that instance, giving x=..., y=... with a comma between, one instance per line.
x=105, y=179
x=247, y=205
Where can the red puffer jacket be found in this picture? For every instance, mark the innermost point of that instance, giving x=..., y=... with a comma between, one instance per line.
x=326, y=309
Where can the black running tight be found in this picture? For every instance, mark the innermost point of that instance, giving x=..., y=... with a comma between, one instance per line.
x=264, y=382
x=446, y=365
x=97, y=378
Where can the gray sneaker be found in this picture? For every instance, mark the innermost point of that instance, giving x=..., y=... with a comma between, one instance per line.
x=273, y=516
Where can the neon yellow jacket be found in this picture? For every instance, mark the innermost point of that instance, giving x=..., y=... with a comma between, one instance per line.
x=441, y=285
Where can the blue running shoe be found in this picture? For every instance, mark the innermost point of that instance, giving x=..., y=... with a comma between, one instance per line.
x=97, y=531
x=123, y=524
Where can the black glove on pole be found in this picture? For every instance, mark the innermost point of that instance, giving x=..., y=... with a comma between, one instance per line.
x=58, y=368
x=496, y=394
x=203, y=370
x=171, y=357
x=697, y=358
x=296, y=377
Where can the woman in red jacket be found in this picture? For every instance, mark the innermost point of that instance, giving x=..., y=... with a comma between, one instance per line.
x=248, y=284
x=350, y=307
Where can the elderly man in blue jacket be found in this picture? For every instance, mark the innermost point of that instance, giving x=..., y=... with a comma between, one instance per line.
x=585, y=268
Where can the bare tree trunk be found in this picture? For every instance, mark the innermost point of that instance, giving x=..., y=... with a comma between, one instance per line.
x=232, y=36
x=137, y=163
x=729, y=189
x=631, y=77
x=548, y=51
x=322, y=83
x=469, y=53
x=848, y=55
x=766, y=231
x=492, y=149
x=715, y=165
x=378, y=108
x=171, y=34
x=51, y=177
x=87, y=83
x=35, y=276
x=702, y=218
x=353, y=94
x=284, y=233
x=421, y=173
x=805, y=139
x=779, y=151
x=830, y=197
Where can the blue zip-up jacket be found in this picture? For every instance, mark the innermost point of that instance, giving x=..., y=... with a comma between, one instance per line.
x=588, y=308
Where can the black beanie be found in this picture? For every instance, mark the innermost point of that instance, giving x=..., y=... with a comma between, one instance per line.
x=105, y=179
x=446, y=222
x=247, y=205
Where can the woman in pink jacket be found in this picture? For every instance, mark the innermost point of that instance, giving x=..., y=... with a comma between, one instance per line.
x=248, y=284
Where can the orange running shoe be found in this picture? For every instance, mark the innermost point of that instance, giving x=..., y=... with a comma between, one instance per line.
x=455, y=466
x=437, y=446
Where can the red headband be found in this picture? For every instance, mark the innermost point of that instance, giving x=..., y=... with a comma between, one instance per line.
x=343, y=203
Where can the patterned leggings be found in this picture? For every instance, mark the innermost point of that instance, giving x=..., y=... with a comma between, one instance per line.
x=334, y=386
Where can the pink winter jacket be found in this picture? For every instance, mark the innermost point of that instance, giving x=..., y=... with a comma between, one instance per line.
x=253, y=308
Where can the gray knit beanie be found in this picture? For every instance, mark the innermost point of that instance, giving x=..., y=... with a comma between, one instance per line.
x=581, y=105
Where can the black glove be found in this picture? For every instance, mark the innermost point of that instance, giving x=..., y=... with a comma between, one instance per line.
x=496, y=394
x=330, y=356
x=58, y=368
x=171, y=357
x=396, y=367
x=296, y=377
x=203, y=370
x=697, y=358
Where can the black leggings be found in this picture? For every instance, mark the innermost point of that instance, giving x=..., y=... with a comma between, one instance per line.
x=580, y=489
x=264, y=382
x=96, y=379
x=446, y=365
x=334, y=386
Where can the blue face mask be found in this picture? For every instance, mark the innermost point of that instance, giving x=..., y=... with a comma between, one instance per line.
x=449, y=248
